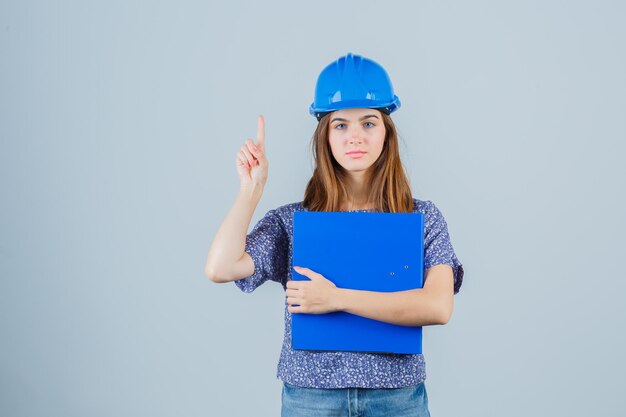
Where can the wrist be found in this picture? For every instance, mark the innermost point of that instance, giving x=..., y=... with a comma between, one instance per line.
x=251, y=191
x=339, y=298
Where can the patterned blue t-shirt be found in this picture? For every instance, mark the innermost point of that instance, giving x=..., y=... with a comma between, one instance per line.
x=270, y=245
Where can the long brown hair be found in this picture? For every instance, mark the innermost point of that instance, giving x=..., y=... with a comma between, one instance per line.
x=388, y=185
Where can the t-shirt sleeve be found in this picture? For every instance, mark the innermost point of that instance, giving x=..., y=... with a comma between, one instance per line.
x=268, y=246
x=437, y=246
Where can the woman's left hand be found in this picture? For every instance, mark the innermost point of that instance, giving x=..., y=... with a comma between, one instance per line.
x=316, y=296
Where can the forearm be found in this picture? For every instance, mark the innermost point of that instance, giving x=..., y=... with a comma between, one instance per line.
x=229, y=242
x=415, y=307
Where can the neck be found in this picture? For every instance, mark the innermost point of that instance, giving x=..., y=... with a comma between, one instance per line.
x=357, y=191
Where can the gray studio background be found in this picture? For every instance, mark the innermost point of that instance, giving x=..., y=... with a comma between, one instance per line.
x=119, y=126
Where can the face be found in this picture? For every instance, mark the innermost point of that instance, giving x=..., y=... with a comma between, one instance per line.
x=359, y=130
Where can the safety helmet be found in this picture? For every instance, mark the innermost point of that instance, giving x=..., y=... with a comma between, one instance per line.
x=353, y=81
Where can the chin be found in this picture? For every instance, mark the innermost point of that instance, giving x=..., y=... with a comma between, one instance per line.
x=356, y=168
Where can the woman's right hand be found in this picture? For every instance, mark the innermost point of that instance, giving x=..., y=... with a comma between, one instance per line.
x=251, y=161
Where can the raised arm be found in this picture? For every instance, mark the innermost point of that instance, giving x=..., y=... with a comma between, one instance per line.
x=227, y=261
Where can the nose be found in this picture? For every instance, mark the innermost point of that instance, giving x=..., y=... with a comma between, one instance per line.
x=356, y=137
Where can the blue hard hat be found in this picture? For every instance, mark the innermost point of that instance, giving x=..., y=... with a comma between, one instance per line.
x=353, y=81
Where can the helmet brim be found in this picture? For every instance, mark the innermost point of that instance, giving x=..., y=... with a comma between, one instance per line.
x=385, y=107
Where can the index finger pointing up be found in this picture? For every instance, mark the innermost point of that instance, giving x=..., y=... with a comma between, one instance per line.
x=260, y=132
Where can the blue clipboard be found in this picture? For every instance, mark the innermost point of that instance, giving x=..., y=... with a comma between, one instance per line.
x=364, y=251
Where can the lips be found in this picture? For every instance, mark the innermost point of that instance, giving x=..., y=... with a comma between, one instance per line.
x=355, y=154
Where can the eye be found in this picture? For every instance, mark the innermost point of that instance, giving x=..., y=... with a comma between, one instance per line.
x=368, y=124
x=340, y=125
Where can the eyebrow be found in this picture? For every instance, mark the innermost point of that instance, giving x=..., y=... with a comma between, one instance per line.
x=339, y=119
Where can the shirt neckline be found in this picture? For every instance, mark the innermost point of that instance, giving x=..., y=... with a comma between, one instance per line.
x=347, y=211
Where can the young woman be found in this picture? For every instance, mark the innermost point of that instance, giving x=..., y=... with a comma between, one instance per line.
x=357, y=168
